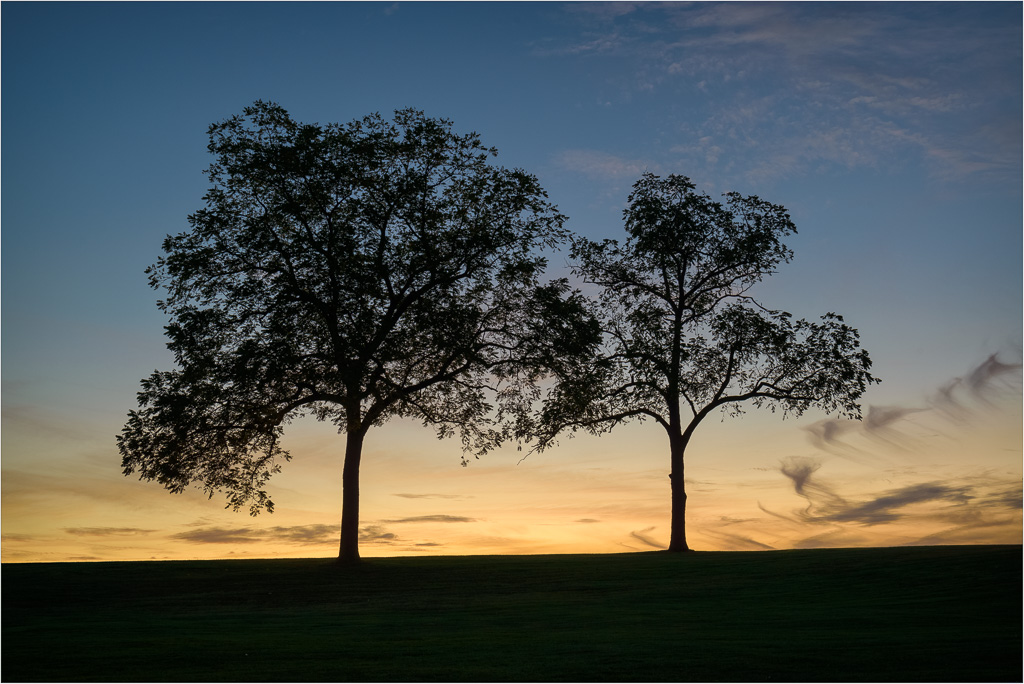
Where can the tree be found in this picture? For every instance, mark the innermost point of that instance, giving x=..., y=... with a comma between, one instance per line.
x=683, y=337
x=354, y=272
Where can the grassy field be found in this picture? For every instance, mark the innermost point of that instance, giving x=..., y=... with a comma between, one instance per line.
x=895, y=614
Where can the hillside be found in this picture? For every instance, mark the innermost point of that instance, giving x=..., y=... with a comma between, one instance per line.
x=892, y=614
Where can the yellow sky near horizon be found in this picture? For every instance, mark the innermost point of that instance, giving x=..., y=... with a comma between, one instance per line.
x=947, y=474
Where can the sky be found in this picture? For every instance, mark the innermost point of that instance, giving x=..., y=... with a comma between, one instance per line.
x=892, y=133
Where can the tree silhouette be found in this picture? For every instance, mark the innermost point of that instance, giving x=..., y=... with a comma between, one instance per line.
x=353, y=272
x=683, y=337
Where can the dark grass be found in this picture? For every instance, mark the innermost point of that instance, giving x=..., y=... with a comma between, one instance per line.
x=895, y=614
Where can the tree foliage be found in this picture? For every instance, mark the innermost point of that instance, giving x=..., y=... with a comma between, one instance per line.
x=355, y=272
x=683, y=336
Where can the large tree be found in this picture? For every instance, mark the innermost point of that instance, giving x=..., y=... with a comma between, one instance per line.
x=683, y=336
x=354, y=272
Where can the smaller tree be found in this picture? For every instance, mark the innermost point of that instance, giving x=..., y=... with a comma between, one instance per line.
x=684, y=339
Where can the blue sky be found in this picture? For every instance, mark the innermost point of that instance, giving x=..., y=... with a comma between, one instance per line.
x=891, y=131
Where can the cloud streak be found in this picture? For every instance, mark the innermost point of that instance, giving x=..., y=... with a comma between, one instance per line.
x=219, y=535
x=376, y=534
x=434, y=496
x=959, y=399
x=887, y=507
x=728, y=541
x=966, y=501
x=297, y=534
x=432, y=518
x=643, y=537
x=106, y=531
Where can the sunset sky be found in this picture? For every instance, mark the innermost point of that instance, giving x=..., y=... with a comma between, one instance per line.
x=892, y=133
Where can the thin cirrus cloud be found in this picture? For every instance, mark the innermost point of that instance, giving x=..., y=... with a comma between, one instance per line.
x=106, y=531
x=779, y=89
x=601, y=165
x=219, y=535
x=377, y=532
x=25, y=490
x=30, y=418
x=432, y=519
x=434, y=496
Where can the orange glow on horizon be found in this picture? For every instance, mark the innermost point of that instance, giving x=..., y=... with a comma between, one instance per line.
x=910, y=485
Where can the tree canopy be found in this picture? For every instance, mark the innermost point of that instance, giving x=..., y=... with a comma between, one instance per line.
x=354, y=272
x=682, y=335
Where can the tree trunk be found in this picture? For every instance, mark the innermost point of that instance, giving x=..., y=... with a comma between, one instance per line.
x=349, y=551
x=677, y=540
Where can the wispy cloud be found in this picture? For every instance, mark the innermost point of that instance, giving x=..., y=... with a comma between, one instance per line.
x=728, y=520
x=376, y=534
x=959, y=399
x=727, y=541
x=967, y=502
x=106, y=531
x=833, y=538
x=993, y=377
x=785, y=88
x=887, y=507
x=39, y=420
x=298, y=534
x=827, y=435
x=644, y=537
x=1009, y=496
x=304, y=534
x=433, y=519
x=604, y=10
x=219, y=535
x=989, y=530
x=600, y=165
x=434, y=496
x=599, y=44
